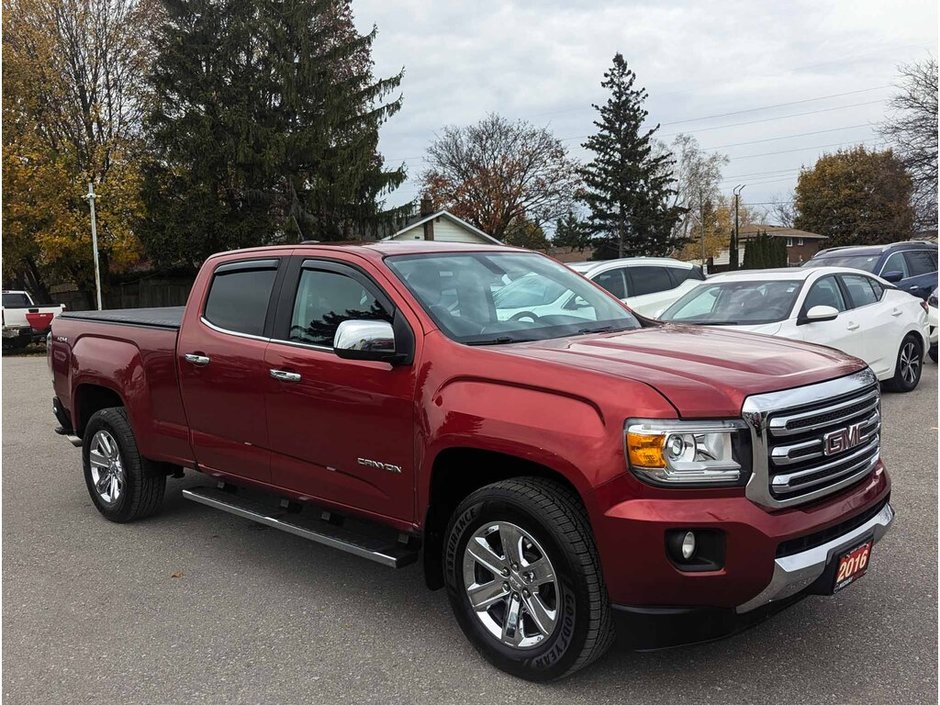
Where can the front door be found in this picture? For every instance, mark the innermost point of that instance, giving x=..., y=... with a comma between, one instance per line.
x=222, y=370
x=340, y=430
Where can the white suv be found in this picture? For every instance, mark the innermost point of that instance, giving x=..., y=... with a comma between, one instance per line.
x=646, y=284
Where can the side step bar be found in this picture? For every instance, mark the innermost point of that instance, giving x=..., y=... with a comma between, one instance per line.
x=375, y=545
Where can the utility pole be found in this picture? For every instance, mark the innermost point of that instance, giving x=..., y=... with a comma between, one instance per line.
x=701, y=220
x=90, y=197
x=733, y=254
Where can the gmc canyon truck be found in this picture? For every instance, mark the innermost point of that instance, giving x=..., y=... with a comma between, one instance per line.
x=567, y=476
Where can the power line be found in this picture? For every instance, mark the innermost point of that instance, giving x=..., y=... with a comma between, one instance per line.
x=788, y=137
x=778, y=105
x=805, y=149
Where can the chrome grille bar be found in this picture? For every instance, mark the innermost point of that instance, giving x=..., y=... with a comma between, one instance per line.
x=811, y=462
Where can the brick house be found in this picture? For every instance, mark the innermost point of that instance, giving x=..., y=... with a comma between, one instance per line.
x=801, y=245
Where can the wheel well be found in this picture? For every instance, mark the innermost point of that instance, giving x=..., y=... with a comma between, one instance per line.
x=455, y=474
x=90, y=398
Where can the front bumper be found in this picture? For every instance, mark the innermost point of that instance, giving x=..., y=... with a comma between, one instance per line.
x=795, y=576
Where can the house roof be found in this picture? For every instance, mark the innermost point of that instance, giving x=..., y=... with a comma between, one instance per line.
x=444, y=213
x=778, y=231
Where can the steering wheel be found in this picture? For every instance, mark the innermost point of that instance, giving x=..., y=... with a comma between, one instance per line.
x=523, y=315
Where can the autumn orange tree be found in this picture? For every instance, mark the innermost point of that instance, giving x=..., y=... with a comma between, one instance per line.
x=855, y=197
x=501, y=176
x=718, y=223
x=72, y=106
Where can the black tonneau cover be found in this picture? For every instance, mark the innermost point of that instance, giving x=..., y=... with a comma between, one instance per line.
x=165, y=317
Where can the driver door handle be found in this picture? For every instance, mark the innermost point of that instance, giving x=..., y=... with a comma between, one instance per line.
x=852, y=325
x=285, y=376
x=200, y=360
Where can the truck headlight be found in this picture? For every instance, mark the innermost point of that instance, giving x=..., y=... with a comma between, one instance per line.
x=682, y=453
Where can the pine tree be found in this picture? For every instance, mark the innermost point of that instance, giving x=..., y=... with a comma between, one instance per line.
x=571, y=232
x=628, y=187
x=265, y=119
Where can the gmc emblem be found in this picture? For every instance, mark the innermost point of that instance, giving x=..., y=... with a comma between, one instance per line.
x=843, y=439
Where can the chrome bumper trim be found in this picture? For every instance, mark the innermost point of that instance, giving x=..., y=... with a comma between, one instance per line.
x=796, y=572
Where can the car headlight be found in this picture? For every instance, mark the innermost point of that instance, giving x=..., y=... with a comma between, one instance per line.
x=682, y=453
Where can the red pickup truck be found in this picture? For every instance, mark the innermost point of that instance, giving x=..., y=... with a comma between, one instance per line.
x=568, y=476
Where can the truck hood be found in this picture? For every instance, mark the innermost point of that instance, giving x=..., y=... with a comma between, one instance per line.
x=702, y=371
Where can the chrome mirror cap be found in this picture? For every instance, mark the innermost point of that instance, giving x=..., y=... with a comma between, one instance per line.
x=368, y=340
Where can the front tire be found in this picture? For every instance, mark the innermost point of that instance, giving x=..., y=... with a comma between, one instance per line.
x=524, y=580
x=909, y=365
x=123, y=485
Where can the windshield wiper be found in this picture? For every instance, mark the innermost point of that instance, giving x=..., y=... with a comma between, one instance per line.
x=602, y=329
x=502, y=340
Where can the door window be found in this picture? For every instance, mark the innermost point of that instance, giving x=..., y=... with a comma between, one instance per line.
x=825, y=292
x=326, y=299
x=239, y=294
x=613, y=282
x=896, y=263
x=648, y=280
x=919, y=262
x=860, y=291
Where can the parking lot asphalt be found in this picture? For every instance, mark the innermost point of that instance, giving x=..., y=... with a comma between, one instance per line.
x=198, y=606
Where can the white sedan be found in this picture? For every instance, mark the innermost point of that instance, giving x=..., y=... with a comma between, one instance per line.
x=843, y=308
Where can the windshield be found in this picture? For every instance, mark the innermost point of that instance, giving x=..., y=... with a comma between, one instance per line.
x=866, y=263
x=735, y=303
x=480, y=298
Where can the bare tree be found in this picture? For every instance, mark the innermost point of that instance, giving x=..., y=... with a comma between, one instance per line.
x=497, y=173
x=782, y=211
x=698, y=175
x=912, y=129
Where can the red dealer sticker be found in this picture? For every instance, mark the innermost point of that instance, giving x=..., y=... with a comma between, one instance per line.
x=852, y=565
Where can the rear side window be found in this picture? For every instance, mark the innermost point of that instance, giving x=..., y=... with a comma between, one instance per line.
x=648, y=280
x=920, y=262
x=239, y=295
x=613, y=282
x=326, y=299
x=860, y=290
x=16, y=301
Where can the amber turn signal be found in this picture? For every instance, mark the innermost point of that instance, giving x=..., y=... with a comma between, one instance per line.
x=646, y=450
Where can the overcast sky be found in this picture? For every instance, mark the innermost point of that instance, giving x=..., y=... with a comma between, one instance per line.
x=543, y=61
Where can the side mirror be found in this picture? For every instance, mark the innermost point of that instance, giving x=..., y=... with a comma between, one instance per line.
x=365, y=340
x=821, y=313
x=893, y=276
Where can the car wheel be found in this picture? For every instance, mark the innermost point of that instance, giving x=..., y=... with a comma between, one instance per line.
x=909, y=365
x=524, y=580
x=123, y=485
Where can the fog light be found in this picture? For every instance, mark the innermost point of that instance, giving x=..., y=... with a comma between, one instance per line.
x=688, y=545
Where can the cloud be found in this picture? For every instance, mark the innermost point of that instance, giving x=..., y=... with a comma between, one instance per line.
x=543, y=61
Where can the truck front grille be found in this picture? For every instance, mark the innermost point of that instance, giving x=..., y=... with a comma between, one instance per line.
x=814, y=440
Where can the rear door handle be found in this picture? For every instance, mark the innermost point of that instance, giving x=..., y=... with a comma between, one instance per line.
x=896, y=312
x=195, y=359
x=285, y=376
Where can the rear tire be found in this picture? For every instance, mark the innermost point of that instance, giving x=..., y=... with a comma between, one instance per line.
x=123, y=485
x=546, y=580
x=909, y=365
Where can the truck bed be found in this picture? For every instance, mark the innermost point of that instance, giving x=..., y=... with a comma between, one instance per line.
x=165, y=317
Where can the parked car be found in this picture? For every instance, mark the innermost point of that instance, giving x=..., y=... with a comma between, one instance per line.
x=646, y=284
x=560, y=476
x=843, y=308
x=932, y=324
x=23, y=321
x=912, y=266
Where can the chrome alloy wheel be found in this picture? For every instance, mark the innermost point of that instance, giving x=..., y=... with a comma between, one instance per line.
x=909, y=362
x=511, y=584
x=107, y=469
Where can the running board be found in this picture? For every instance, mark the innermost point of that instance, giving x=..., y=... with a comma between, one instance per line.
x=374, y=544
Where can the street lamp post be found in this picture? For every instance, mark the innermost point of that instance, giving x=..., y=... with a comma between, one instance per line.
x=90, y=197
x=733, y=254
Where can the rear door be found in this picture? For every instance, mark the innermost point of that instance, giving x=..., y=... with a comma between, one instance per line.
x=340, y=430
x=922, y=268
x=650, y=288
x=222, y=372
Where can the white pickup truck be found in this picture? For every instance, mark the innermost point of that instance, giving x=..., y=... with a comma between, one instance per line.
x=23, y=321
